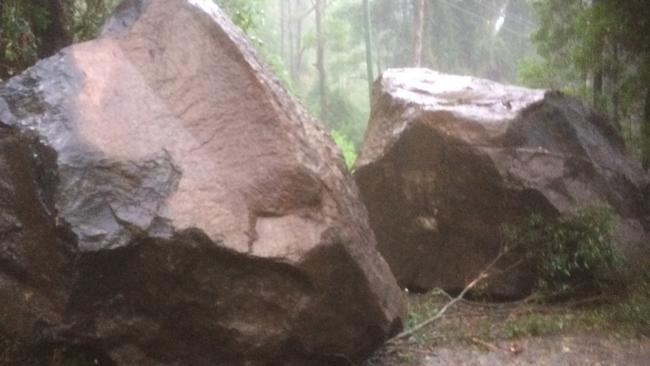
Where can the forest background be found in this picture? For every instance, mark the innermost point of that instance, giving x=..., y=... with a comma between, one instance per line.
x=327, y=53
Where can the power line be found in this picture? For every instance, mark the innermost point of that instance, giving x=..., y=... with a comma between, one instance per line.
x=482, y=18
x=516, y=17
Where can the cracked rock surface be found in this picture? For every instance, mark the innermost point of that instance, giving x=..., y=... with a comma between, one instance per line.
x=448, y=159
x=170, y=204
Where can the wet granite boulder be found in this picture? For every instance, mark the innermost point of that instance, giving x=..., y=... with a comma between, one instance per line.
x=448, y=159
x=166, y=202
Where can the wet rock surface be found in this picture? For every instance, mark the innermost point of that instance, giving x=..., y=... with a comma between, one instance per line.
x=34, y=263
x=448, y=159
x=165, y=202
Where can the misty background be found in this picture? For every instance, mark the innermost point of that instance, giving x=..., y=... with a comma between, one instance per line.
x=325, y=65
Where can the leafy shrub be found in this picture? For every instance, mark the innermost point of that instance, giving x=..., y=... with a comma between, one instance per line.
x=570, y=254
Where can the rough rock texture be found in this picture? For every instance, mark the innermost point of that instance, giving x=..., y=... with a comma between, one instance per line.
x=165, y=202
x=34, y=264
x=448, y=159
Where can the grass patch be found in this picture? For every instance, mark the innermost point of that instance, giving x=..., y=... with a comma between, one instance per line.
x=627, y=316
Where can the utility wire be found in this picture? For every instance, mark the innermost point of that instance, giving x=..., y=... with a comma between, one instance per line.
x=513, y=16
x=483, y=18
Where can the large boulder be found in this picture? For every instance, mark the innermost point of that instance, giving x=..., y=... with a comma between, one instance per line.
x=448, y=159
x=165, y=202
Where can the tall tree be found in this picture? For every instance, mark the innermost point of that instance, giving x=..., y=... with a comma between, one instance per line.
x=609, y=40
x=418, y=33
x=320, y=58
x=598, y=67
x=283, y=27
x=55, y=33
x=368, y=43
x=645, y=131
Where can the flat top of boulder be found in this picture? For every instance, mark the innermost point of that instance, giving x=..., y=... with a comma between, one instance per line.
x=482, y=103
x=468, y=96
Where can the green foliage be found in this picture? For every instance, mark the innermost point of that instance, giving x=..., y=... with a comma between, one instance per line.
x=276, y=63
x=459, y=36
x=247, y=14
x=88, y=16
x=535, y=72
x=346, y=114
x=570, y=253
x=578, y=245
x=24, y=28
x=603, y=43
x=18, y=44
x=347, y=148
x=420, y=308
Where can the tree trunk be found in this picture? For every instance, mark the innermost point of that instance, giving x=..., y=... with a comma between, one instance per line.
x=291, y=56
x=282, y=4
x=56, y=34
x=368, y=34
x=320, y=60
x=645, y=132
x=418, y=32
x=616, y=94
x=299, y=49
x=597, y=82
x=5, y=68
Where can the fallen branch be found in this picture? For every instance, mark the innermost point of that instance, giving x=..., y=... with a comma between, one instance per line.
x=483, y=275
x=588, y=300
x=532, y=298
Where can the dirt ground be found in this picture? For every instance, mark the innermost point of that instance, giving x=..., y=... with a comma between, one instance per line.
x=553, y=350
x=476, y=334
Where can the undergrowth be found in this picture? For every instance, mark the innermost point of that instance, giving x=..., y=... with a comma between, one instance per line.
x=579, y=286
x=573, y=256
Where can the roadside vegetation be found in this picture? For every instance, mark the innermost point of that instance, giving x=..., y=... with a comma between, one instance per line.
x=583, y=288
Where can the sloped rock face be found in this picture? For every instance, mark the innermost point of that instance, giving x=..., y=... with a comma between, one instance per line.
x=448, y=159
x=170, y=204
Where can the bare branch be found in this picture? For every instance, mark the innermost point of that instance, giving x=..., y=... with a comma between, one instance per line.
x=483, y=275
